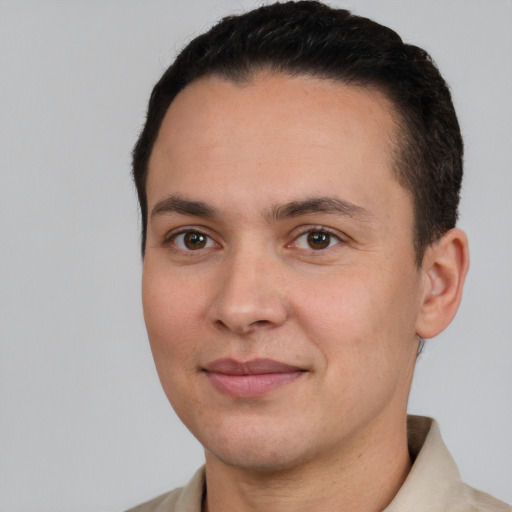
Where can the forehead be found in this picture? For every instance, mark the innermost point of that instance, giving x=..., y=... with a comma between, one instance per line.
x=279, y=130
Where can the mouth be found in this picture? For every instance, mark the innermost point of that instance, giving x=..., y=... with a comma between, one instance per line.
x=251, y=378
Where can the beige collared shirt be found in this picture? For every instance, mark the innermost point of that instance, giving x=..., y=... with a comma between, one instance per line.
x=433, y=484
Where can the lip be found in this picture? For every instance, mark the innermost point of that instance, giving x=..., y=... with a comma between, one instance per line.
x=250, y=378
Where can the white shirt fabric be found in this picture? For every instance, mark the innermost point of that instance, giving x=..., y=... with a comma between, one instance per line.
x=433, y=484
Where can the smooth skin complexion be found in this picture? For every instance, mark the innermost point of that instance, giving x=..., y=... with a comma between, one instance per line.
x=281, y=292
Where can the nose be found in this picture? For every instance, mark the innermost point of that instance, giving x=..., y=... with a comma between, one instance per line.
x=250, y=295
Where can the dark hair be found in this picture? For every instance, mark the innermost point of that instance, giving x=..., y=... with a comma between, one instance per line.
x=310, y=38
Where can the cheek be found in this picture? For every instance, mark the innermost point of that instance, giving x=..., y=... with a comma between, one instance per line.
x=360, y=315
x=171, y=312
x=362, y=327
x=344, y=306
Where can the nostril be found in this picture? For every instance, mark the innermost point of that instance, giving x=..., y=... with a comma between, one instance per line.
x=260, y=323
x=242, y=328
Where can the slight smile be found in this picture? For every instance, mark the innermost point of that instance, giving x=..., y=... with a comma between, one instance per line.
x=251, y=378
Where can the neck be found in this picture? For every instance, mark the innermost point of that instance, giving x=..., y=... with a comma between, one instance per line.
x=354, y=478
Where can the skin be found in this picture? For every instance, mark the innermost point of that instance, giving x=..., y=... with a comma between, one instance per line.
x=236, y=165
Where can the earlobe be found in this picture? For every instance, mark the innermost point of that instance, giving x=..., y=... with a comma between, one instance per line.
x=444, y=269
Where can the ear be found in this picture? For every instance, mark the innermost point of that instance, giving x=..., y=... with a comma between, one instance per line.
x=444, y=268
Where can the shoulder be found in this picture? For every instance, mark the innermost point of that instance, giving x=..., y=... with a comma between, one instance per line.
x=188, y=498
x=163, y=503
x=478, y=501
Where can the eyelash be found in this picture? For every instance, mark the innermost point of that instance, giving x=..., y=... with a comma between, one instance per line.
x=210, y=242
x=334, y=237
x=171, y=239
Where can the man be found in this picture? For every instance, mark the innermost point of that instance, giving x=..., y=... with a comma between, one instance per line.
x=299, y=176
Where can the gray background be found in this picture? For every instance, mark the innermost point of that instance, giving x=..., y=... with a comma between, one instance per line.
x=84, y=425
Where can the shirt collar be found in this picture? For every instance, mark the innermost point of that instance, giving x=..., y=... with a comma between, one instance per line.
x=434, y=481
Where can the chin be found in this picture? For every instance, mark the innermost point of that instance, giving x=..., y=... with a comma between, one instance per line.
x=260, y=452
x=258, y=462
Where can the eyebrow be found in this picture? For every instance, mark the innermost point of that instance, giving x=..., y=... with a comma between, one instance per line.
x=178, y=204
x=332, y=205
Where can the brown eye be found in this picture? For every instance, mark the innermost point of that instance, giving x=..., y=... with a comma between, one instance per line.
x=192, y=241
x=318, y=239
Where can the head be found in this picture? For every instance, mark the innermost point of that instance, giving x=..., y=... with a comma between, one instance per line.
x=294, y=174
x=310, y=38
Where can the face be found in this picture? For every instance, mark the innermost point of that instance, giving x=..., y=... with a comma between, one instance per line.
x=280, y=289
